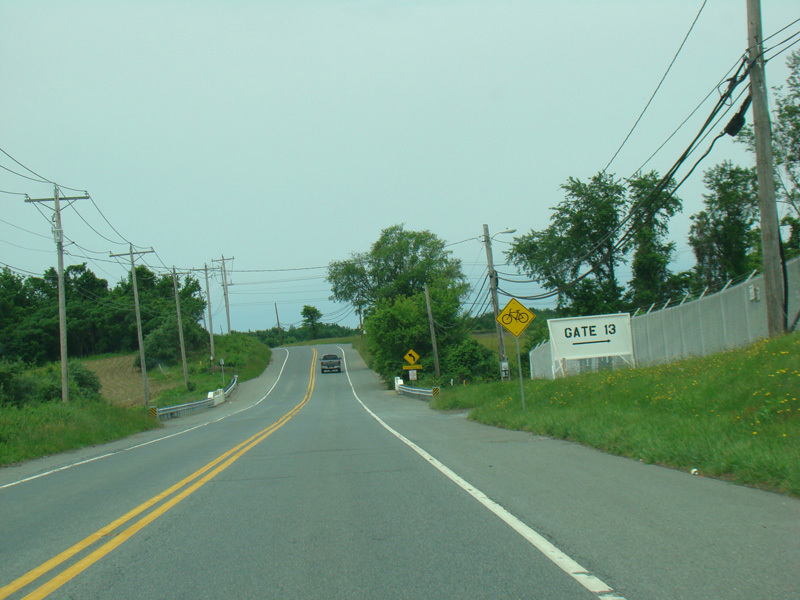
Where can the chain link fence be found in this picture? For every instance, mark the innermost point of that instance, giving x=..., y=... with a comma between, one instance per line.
x=733, y=317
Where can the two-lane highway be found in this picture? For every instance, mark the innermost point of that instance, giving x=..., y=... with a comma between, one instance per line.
x=311, y=485
x=303, y=496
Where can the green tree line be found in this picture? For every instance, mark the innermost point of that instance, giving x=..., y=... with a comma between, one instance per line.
x=294, y=335
x=100, y=318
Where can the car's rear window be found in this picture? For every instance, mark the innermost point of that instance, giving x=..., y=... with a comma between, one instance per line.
x=330, y=357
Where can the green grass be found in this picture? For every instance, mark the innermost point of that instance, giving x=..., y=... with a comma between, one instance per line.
x=734, y=416
x=40, y=429
x=243, y=354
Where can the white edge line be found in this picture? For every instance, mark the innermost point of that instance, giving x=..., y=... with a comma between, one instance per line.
x=161, y=439
x=564, y=562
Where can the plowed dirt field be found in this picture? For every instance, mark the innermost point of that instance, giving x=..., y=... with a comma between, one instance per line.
x=120, y=382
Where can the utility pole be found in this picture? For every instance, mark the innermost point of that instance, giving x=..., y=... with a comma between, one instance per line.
x=770, y=230
x=501, y=346
x=433, y=333
x=142, y=363
x=58, y=235
x=210, y=320
x=277, y=318
x=180, y=326
x=225, y=289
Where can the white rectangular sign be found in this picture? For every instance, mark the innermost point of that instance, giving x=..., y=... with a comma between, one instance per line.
x=590, y=337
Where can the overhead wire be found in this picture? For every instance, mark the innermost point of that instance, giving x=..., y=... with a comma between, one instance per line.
x=90, y=226
x=647, y=203
x=14, y=193
x=41, y=235
x=658, y=87
x=19, y=270
x=23, y=176
x=108, y=222
x=26, y=248
x=42, y=178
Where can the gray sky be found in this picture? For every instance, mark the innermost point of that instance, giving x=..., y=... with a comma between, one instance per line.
x=288, y=134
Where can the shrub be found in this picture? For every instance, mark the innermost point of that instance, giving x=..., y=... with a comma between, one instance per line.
x=162, y=345
x=469, y=361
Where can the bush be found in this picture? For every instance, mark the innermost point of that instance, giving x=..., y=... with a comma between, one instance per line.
x=15, y=388
x=20, y=386
x=162, y=345
x=469, y=361
x=85, y=379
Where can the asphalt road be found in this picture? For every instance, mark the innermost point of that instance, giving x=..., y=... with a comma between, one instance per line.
x=328, y=486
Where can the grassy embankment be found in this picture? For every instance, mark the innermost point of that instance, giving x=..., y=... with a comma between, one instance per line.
x=243, y=355
x=733, y=416
x=41, y=428
x=36, y=430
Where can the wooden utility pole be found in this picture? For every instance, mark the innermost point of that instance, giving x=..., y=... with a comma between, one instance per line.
x=142, y=363
x=58, y=235
x=433, y=333
x=770, y=229
x=180, y=327
x=501, y=346
x=225, y=289
x=210, y=319
x=278, y=319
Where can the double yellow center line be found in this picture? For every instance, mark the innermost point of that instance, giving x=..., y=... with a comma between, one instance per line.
x=197, y=480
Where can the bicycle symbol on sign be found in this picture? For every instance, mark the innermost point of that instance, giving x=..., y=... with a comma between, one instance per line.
x=514, y=315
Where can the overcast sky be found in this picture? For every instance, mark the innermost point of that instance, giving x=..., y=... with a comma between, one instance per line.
x=288, y=134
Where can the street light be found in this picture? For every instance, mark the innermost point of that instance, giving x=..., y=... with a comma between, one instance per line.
x=501, y=347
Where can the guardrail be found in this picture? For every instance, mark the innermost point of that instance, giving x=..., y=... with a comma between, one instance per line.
x=232, y=386
x=171, y=412
x=417, y=392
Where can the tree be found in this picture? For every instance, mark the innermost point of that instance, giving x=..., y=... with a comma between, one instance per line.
x=396, y=325
x=785, y=136
x=311, y=318
x=724, y=235
x=577, y=255
x=162, y=344
x=651, y=280
x=388, y=282
x=786, y=132
x=400, y=263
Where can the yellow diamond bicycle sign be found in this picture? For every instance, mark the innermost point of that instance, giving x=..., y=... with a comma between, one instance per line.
x=515, y=317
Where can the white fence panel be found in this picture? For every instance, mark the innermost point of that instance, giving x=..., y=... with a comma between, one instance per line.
x=734, y=317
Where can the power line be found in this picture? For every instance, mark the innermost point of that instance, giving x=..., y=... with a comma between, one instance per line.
x=274, y=270
x=77, y=212
x=19, y=270
x=25, y=247
x=13, y=193
x=25, y=230
x=21, y=175
x=42, y=178
x=767, y=59
x=647, y=204
x=109, y=222
x=658, y=87
x=716, y=87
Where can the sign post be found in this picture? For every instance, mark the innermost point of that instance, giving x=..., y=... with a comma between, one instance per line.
x=411, y=358
x=515, y=318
